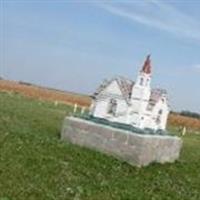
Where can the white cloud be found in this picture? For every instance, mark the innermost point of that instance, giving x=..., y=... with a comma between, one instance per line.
x=156, y=14
x=197, y=67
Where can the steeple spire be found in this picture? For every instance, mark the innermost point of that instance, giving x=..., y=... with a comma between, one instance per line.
x=147, y=65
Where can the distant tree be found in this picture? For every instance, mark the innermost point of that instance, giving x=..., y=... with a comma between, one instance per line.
x=24, y=83
x=190, y=114
x=173, y=112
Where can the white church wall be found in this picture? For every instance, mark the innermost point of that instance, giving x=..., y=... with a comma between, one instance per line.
x=164, y=116
x=133, y=119
x=112, y=91
x=100, y=108
x=121, y=112
x=161, y=106
x=121, y=107
x=140, y=94
x=146, y=121
x=112, y=88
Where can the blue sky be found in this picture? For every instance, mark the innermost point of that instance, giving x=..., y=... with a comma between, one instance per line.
x=74, y=45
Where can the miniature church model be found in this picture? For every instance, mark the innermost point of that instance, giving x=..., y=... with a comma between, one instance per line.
x=134, y=103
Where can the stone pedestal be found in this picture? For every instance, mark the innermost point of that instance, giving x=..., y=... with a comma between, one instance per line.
x=138, y=150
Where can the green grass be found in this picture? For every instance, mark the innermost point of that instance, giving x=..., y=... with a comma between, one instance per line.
x=36, y=165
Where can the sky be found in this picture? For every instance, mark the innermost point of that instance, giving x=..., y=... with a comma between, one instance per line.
x=74, y=45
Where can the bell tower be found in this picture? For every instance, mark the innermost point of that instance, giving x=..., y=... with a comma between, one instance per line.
x=141, y=92
x=144, y=77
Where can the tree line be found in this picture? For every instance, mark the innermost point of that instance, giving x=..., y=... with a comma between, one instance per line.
x=187, y=113
x=190, y=114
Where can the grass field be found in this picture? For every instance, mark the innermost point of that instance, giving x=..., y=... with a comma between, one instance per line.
x=36, y=165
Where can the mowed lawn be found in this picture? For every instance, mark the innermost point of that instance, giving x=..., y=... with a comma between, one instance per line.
x=36, y=165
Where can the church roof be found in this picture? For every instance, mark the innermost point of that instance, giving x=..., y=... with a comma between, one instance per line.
x=126, y=86
x=155, y=96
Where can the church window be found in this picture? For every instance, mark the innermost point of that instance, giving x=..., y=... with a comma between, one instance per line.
x=158, y=120
x=147, y=83
x=112, y=107
x=129, y=95
x=141, y=81
x=160, y=112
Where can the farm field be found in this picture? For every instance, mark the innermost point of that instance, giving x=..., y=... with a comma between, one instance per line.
x=176, y=120
x=35, y=164
x=43, y=93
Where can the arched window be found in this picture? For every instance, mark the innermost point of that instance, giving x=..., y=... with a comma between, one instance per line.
x=147, y=83
x=112, y=107
x=160, y=112
x=158, y=120
x=141, y=81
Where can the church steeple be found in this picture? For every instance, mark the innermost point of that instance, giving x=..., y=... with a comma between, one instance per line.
x=144, y=77
x=141, y=90
x=147, y=65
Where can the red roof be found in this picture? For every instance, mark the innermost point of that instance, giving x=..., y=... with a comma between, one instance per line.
x=147, y=65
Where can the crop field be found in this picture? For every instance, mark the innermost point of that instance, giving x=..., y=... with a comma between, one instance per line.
x=36, y=165
x=180, y=121
x=44, y=93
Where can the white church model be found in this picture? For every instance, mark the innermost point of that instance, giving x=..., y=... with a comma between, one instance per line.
x=121, y=100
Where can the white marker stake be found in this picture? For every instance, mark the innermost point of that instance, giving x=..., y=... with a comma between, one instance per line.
x=75, y=108
x=184, y=131
x=55, y=103
x=82, y=110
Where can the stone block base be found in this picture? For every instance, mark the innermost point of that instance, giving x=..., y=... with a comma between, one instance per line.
x=138, y=150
